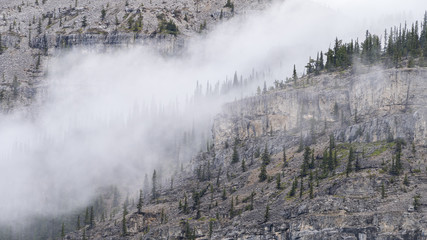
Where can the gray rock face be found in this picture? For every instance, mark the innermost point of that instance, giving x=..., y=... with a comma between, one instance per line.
x=372, y=106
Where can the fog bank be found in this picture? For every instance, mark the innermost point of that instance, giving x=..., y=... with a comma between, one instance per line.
x=109, y=118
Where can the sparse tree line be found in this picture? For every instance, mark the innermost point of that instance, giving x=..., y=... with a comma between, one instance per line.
x=400, y=43
x=397, y=46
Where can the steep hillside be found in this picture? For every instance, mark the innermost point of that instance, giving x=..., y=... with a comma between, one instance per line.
x=31, y=31
x=354, y=167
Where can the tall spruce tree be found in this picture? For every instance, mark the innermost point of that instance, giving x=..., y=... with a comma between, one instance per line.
x=140, y=202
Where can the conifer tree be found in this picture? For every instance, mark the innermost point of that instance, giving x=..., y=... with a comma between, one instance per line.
x=103, y=13
x=263, y=173
x=232, y=208
x=92, y=217
x=306, y=162
x=84, y=22
x=301, y=188
x=62, y=231
x=211, y=222
x=285, y=162
x=312, y=164
x=294, y=188
x=185, y=207
x=140, y=202
x=87, y=219
x=416, y=202
x=243, y=165
x=311, y=191
x=350, y=161
x=1, y=46
x=357, y=164
x=154, y=188
x=294, y=74
x=124, y=226
x=278, y=182
x=267, y=213
x=265, y=156
x=382, y=191
x=405, y=180
x=322, y=65
x=251, y=207
x=235, y=156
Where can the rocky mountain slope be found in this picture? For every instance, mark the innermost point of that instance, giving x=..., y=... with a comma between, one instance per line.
x=355, y=161
x=31, y=31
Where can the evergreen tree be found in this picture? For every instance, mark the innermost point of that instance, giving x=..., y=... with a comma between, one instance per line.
x=235, y=156
x=154, y=188
x=416, y=202
x=294, y=188
x=84, y=22
x=1, y=46
x=211, y=222
x=243, y=165
x=224, y=194
x=251, y=207
x=87, y=219
x=306, y=162
x=265, y=156
x=267, y=213
x=285, y=161
x=124, y=226
x=321, y=62
x=317, y=178
x=312, y=164
x=92, y=217
x=325, y=163
x=301, y=188
x=140, y=202
x=163, y=217
x=311, y=191
x=232, y=208
x=63, y=231
x=294, y=74
x=185, y=207
x=278, y=182
x=103, y=13
x=398, y=155
x=405, y=180
x=357, y=164
x=382, y=191
x=38, y=62
x=84, y=234
x=350, y=161
x=263, y=173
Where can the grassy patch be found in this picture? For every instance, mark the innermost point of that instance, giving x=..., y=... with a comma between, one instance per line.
x=382, y=147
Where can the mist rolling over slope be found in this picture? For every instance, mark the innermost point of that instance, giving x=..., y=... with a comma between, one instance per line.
x=109, y=117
